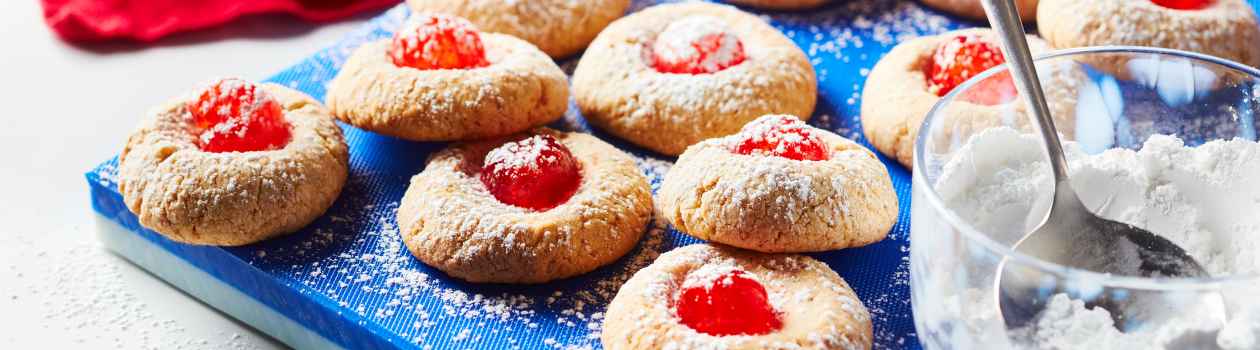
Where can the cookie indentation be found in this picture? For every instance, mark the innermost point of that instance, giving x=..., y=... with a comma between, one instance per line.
x=730, y=303
x=961, y=57
x=1184, y=4
x=781, y=136
x=233, y=115
x=433, y=41
x=536, y=173
x=696, y=45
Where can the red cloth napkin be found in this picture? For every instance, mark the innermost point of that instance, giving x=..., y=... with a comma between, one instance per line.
x=148, y=20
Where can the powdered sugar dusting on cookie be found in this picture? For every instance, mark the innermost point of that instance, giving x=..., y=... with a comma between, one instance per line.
x=526, y=153
x=282, y=176
x=765, y=180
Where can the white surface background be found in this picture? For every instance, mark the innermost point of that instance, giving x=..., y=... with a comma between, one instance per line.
x=63, y=109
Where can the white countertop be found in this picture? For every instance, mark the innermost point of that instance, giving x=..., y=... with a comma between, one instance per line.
x=67, y=108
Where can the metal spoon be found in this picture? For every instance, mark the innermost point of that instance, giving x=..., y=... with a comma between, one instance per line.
x=1070, y=234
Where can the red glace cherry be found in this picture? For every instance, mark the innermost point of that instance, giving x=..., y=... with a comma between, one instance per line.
x=233, y=115
x=435, y=41
x=696, y=45
x=730, y=304
x=1184, y=4
x=782, y=136
x=962, y=57
x=535, y=173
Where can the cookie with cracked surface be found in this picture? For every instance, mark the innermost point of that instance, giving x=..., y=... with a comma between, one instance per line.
x=440, y=79
x=559, y=28
x=908, y=81
x=972, y=9
x=780, y=186
x=1222, y=28
x=529, y=208
x=715, y=297
x=234, y=163
x=780, y=4
x=675, y=74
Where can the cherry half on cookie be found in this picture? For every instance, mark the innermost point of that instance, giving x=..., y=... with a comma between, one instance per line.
x=1184, y=4
x=781, y=136
x=959, y=58
x=435, y=41
x=696, y=45
x=536, y=173
x=730, y=304
x=233, y=115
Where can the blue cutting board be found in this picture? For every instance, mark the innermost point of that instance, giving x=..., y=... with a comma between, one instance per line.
x=347, y=281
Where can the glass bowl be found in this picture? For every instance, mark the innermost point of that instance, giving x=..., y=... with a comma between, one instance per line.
x=980, y=182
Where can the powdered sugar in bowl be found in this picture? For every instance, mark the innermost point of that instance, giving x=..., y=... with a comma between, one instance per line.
x=1161, y=139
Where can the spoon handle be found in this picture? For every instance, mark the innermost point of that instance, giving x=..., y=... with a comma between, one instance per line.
x=1005, y=20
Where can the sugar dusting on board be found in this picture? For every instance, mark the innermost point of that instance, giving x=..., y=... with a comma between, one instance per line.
x=427, y=300
x=417, y=296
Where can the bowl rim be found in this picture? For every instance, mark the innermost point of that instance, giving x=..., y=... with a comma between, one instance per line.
x=974, y=235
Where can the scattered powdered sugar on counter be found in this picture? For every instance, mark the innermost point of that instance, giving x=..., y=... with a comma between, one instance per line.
x=1202, y=198
x=88, y=296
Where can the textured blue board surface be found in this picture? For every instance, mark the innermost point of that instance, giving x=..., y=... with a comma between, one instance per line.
x=348, y=277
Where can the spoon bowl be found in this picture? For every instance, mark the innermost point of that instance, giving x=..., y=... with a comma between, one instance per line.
x=1080, y=239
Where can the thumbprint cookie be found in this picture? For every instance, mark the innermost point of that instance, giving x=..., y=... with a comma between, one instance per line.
x=233, y=163
x=441, y=79
x=780, y=185
x=528, y=208
x=675, y=74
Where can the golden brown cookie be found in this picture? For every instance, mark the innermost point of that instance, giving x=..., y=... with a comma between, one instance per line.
x=972, y=9
x=644, y=81
x=1223, y=28
x=780, y=186
x=520, y=210
x=558, y=27
x=715, y=297
x=181, y=175
x=460, y=93
x=900, y=90
x=780, y=4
